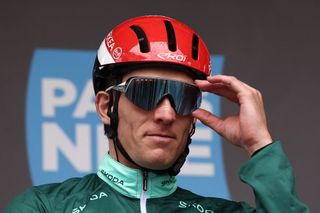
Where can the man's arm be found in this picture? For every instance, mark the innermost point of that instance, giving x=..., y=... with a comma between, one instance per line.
x=271, y=177
x=268, y=172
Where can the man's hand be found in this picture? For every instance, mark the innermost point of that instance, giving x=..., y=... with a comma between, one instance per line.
x=248, y=129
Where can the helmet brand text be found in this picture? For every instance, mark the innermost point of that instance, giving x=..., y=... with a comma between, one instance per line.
x=172, y=56
x=110, y=42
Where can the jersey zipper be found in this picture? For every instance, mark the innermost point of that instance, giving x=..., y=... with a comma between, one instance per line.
x=143, y=197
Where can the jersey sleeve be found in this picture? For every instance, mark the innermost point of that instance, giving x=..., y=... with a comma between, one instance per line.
x=270, y=175
x=31, y=201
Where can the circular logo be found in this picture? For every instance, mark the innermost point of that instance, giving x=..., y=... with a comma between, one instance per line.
x=117, y=52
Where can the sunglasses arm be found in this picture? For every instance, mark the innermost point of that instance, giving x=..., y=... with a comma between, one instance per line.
x=120, y=87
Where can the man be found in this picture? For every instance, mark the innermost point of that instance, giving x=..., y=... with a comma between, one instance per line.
x=148, y=78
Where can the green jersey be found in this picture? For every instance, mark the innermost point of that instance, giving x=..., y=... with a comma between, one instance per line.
x=117, y=188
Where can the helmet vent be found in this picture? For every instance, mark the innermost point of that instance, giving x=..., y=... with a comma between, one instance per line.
x=142, y=38
x=172, y=45
x=195, y=45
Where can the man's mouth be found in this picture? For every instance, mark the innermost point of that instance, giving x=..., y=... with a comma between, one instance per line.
x=160, y=137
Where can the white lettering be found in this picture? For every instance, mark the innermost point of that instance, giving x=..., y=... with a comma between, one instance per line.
x=51, y=100
x=82, y=207
x=102, y=194
x=94, y=197
x=86, y=103
x=172, y=56
x=55, y=140
x=182, y=204
x=75, y=210
x=79, y=209
x=162, y=56
x=180, y=58
x=200, y=208
x=195, y=205
x=110, y=42
x=98, y=196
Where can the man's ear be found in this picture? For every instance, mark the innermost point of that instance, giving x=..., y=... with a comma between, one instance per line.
x=102, y=103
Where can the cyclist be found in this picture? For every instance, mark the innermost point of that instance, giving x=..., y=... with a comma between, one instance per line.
x=148, y=77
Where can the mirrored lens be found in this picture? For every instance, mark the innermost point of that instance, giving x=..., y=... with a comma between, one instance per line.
x=187, y=98
x=146, y=93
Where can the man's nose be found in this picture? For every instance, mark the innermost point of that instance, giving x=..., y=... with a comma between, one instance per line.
x=164, y=112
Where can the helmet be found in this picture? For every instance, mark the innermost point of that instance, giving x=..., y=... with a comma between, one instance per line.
x=150, y=41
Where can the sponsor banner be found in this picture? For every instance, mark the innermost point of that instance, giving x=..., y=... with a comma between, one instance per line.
x=65, y=137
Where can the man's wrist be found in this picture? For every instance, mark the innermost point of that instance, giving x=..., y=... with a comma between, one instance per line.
x=258, y=146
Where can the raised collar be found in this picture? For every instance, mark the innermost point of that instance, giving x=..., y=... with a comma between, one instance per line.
x=129, y=182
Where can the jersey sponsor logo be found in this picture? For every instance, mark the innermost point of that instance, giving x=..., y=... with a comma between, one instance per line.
x=79, y=209
x=197, y=206
x=112, y=178
x=65, y=137
x=92, y=198
x=98, y=196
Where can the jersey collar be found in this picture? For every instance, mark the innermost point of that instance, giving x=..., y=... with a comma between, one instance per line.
x=129, y=181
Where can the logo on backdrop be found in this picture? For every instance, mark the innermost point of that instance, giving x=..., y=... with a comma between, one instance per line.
x=65, y=137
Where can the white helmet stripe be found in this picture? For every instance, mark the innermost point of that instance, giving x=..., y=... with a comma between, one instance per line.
x=104, y=56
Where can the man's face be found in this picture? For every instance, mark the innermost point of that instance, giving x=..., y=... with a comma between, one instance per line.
x=153, y=139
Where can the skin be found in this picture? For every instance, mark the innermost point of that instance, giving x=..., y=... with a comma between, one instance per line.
x=154, y=139
x=248, y=129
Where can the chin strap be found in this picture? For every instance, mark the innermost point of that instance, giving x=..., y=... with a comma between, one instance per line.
x=176, y=167
x=112, y=132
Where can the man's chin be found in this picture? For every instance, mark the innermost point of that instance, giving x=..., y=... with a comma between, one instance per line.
x=159, y=163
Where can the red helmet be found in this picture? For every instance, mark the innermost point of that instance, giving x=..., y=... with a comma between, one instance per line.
x=151, y=40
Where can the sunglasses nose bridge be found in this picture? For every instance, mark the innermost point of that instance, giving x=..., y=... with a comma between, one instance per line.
x=165, y=111
x=170, y=98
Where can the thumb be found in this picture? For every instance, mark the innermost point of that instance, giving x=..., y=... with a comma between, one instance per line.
x=208, y=119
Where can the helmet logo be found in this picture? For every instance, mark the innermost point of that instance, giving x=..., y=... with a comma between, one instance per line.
x=117, y=52
x=110, y=42
x=172, y=56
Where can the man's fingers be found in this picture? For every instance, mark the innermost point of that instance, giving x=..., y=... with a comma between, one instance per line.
x=233, y=83
x=229, y=81
x=227, y=86
x=208, y=119
x=226, y=93
x=218, y=89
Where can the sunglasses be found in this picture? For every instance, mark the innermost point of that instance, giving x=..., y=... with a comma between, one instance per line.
x=147, y=93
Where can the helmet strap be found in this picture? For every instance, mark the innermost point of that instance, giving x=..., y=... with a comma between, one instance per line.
x=112, y=130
